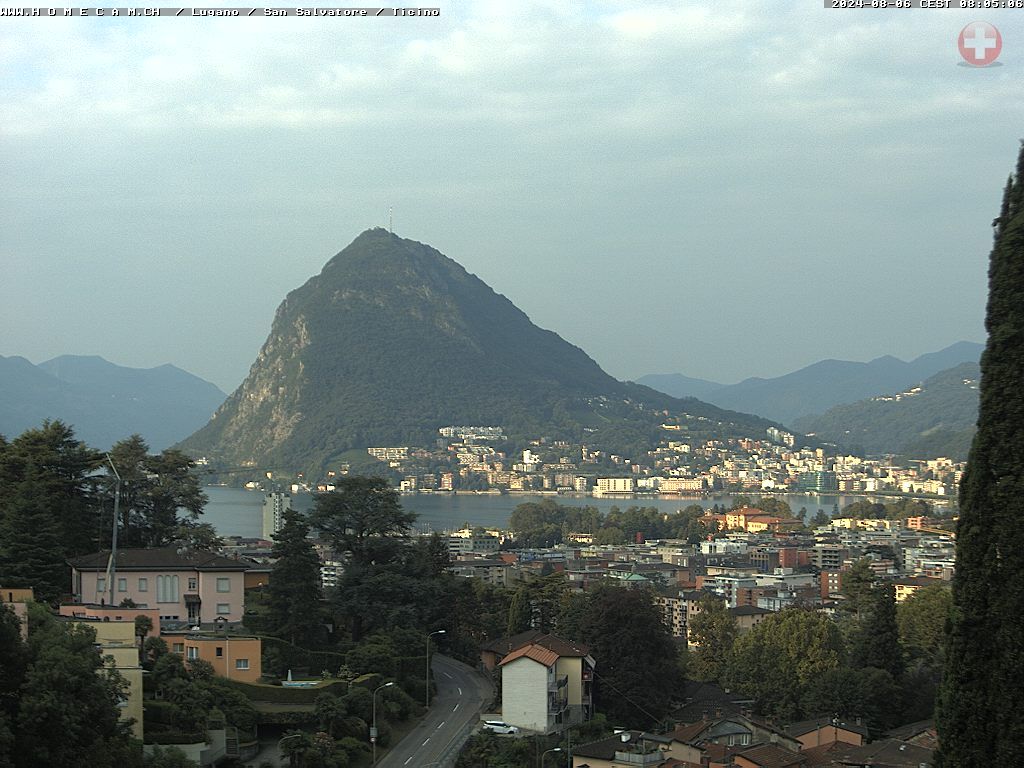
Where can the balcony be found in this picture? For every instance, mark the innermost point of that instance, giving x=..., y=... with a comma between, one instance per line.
x=654, y=757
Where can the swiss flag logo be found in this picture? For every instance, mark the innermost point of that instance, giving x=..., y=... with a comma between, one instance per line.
x=980, y=43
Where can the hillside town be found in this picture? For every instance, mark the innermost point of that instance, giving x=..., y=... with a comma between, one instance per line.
x=470, y=458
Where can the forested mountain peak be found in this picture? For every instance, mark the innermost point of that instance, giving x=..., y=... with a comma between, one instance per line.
x=393, y=340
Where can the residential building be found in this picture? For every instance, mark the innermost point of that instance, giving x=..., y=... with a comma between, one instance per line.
x=235, y=657
x=626, y=749
x=118, y=645
x=186, y=586
x=614, y=485
x=275, y=504
x=545, y=683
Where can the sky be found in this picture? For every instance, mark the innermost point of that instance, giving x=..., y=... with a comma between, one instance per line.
x=722, y=189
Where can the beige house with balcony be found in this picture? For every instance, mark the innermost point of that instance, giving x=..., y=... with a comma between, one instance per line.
x=546, y=684
x=186, y=586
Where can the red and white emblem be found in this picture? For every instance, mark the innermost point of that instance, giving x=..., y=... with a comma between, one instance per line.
x=980, y=43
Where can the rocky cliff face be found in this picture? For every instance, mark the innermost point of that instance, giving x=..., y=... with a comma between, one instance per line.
x=393, y=340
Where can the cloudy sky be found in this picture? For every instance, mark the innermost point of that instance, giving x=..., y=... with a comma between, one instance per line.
x=720, y=189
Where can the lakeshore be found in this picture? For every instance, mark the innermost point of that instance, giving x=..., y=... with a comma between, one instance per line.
x=237, y=512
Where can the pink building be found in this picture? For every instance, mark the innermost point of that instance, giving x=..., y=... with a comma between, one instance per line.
x=190, y=586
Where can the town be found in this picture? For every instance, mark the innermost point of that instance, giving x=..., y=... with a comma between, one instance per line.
x=466, y=458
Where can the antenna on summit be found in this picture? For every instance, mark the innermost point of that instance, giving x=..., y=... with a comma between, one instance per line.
x=391, y=219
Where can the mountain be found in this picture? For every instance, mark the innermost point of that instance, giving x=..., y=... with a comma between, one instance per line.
x=393, y=340
x=827, y=383
x=104, y=402
x=677, y=385
x=936, y=418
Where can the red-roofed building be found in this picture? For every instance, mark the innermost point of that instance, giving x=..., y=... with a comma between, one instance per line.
x=545, y=681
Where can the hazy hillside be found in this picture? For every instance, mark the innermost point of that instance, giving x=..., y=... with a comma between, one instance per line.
x=816, y=388
x=104, y=402
x=393, y=340
x=677, y=385
x=935, y=419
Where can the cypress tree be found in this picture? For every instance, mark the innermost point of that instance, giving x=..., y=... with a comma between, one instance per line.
x=980, y=705
x=293, y=595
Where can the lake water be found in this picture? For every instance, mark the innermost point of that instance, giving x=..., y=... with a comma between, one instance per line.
x=237, y=512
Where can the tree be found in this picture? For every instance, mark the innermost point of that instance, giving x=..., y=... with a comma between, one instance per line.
x=67, y=691
x=154, y=488
x=637, y=670
x=713, y=630
x=168, y=757
x=875, y=641
x=293, y=594
x=520, y=611
x=978, y=715
x=870, y=694
x=47, y=507
x=777, y=660
x=13, y=662
x=357, y=511
x=922, y=621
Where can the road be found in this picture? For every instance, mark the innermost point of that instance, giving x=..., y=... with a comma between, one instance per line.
x=461, y=692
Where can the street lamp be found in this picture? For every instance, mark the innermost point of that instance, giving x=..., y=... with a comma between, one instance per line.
x=429, y=635
x=553, y=749
x=373, y=729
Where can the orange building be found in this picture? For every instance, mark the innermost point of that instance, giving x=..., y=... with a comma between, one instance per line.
x=235, y=657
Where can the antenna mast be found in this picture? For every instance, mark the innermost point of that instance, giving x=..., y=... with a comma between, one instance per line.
x=112, y=565
x=391, y=219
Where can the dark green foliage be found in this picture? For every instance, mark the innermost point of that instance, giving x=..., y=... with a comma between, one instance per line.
x=359, y=511
x=874, y=640
x=867, y=693
x=982, y=697
x=66, y=691
x=637, y=670
x=922, y=618
x=293, y=595
x=487, y=750
x=154, y=489
x=47, y=508
x=465, y=354
x=545, y=523
x=714, y=630
x=520, y=612
x=777, y=661
x=168, y=757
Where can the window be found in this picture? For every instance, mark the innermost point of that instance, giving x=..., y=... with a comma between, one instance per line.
x=193, y=583
x=223, y=609
x=178, y=647
x=193, y=652
x=122, y=585
x=223, y=584
x=167, y=589
x=241, y=663
x=219, y=651
x=143, y=585
x=101, y=585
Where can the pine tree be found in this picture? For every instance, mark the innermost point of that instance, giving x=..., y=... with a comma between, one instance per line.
x=293, y=595
x=979, y=712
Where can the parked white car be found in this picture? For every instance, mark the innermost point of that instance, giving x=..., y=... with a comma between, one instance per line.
x=496, y=726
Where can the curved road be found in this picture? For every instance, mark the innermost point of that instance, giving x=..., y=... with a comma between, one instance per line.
x=461, y=692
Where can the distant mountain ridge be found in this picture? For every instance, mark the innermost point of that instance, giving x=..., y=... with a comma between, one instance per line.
x=393, y=340
x=820, y=386
x=935, y=418
x=104, y=402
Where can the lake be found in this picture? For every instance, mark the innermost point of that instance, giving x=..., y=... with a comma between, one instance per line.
x=238, y=512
